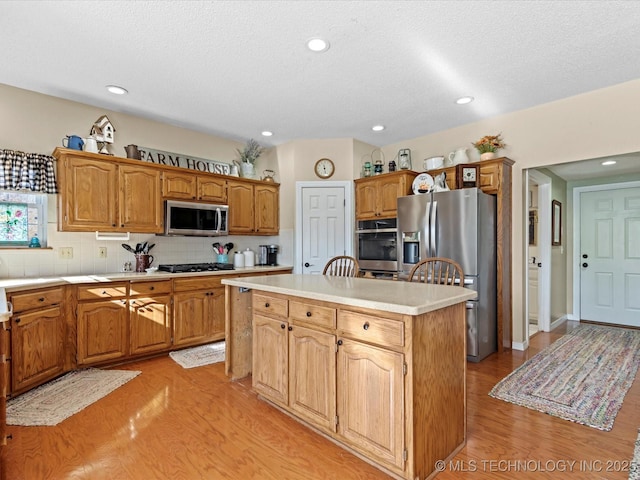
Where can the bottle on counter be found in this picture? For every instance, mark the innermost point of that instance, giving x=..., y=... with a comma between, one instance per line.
x=249, y=257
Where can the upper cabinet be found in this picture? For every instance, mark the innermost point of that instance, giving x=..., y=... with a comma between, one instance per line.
x=253, y=208
x=108, y=196
x=113, y=194
x=190, y=186
x=376, y=197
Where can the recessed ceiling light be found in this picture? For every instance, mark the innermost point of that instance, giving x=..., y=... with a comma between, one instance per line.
x=267, y=133
x=464, y=100
x=317, y=45
x=117, y=90
x=377, y=128
x=609, y=162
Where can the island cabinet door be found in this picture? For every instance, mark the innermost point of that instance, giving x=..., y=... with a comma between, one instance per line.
x=150, y=324
x=371, y=402
x=312, y=376
x=271, y=359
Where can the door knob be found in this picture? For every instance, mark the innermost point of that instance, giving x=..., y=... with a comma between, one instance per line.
x=540, y=264
x=585, y=264
x=584, y=255
x=307, y=264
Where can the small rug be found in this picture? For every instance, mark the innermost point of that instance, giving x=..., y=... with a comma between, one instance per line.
x=199, y=356
x=582, y=377
x=57, y=400
x=634, y=467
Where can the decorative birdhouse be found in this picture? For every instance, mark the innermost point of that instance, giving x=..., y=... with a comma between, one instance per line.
x=103, y=130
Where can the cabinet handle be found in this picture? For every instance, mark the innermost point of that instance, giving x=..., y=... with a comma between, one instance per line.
x=41, y=299
x=113, y=224
x=290, y=328
x=17, y=320
x=152, y=288
x=266, y=305
x=366, y=325
x=282, y=326
x=9, y=437
x=339, y=342
x=308, y=314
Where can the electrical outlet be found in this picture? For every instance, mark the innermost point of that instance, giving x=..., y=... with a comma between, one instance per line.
x=102, y=252
x=66, y=252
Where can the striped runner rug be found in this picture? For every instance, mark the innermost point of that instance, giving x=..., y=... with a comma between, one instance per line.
x=582, y=377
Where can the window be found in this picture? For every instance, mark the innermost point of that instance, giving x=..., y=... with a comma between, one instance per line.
x=22, y=217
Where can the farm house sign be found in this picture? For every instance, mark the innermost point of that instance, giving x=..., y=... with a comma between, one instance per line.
x=178, y=160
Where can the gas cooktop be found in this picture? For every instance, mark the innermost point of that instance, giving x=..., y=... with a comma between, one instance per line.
x=195, y=267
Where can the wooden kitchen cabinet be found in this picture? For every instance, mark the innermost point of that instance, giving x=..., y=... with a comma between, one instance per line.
x=376, y=197
x=198, y=311
x=149, y=317
x=98, y=194
x=4, y=387
x=271, y=359
x=37, y=338
x=191, y=186
x=253, y=208
x=102, y=323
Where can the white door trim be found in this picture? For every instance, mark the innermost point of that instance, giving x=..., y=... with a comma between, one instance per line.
x=349, y=216
x=544, y=251
x=576, y=235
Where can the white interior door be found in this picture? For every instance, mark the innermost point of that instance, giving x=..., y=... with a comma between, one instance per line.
x=533, y=293
x=610, y=256
x=323, y=229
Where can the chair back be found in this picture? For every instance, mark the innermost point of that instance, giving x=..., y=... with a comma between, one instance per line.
x=437, y=271
x=342, y=266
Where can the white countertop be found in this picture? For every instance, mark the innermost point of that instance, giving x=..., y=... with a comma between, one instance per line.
x=407, y=298
x=15, y=284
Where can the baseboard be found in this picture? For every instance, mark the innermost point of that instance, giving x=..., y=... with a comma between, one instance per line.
x=522, y=346
x=558, y=322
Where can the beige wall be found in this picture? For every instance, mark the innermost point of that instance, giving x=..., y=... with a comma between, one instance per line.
x=596, y=124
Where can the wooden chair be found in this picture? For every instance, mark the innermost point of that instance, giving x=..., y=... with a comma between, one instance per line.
x=342, y=266
x=437, y=271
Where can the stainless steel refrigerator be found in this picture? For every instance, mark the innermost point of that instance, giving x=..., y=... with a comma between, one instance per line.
x=461, y=225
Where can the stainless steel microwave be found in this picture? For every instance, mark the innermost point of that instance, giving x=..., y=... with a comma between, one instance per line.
x=195, y=219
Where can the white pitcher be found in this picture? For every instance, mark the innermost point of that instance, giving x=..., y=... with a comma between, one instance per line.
x=458, y=156
x=90, y=145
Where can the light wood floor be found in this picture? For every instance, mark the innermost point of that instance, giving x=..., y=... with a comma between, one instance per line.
x=172, y=423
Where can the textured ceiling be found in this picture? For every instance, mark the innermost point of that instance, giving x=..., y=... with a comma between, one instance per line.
x=235, y=68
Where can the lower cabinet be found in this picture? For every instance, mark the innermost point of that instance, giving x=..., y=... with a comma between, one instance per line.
x=4, y=388
x=149, y=317
x=37, y=338
x=102, y=321
x=371, y=401
x=198, y=311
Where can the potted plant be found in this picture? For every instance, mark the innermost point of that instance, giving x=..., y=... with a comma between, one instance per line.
x=488, y=145
x=248, y=156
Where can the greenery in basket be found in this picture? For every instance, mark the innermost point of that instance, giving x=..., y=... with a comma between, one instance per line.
x=490, y=143
x=251, y=151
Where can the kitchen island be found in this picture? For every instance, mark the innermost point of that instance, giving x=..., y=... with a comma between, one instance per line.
x=376, y=366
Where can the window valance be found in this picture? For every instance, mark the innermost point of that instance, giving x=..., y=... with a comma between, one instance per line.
x=27, y=171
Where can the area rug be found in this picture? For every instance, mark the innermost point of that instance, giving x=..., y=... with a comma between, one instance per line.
x=199, y=356
x=634, y=467
x=55, y=401
x=582, y=377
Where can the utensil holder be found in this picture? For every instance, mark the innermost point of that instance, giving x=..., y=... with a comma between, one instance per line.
x=223, y=258
x=143, y=261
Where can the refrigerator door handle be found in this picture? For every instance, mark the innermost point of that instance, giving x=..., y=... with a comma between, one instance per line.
x=433, y=207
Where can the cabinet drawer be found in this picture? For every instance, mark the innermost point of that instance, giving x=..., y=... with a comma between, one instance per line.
x=197, y=283
x=36, y=299
x=381, y=331
x=270, y=306
x=312, y=314
x=107, y=290
x=150, y=288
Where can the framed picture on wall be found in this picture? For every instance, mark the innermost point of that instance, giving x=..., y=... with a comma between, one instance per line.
x=556, y=223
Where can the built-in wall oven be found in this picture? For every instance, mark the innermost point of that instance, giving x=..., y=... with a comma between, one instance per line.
x=376, y=242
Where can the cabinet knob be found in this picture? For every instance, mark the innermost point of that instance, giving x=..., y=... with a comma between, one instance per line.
x=366, y=325
x=290, y=328
x=339, y=342
x=152, y=288
x=308, y=314
x=9, y=437
x=283, y=326
x=17, y=320
x=266, y=305
x=41, y=299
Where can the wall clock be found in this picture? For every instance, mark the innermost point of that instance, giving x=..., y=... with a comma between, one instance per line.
x=467, y=175
x=324, y=168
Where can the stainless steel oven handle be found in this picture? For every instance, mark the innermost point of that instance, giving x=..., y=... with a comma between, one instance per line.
x=379, y=230
x=219, y=217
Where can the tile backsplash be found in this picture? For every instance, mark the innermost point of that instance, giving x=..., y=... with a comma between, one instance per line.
x=33, y=262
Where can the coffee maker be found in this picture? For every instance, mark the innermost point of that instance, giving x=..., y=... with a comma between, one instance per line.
x=267, y=255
